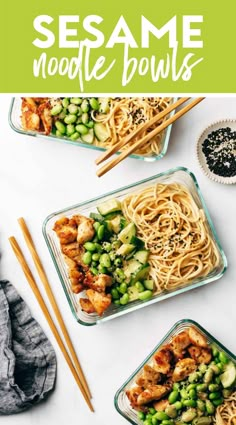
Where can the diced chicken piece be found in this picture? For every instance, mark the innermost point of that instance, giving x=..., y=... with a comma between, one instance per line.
x=161, y=405
x=133, y=394
x=200, y=355
x=197, y=338
x=76, y=275
x=98, y=283
x=85, y=230
x=179, y=343
x=163, y=360
x=74, y=251
x=86, y=305
x=149, y=377
x=183, y=368
x=30, y=121
x=29, y=104
x=99, y=301
x=44, y=112
x=66, y=230
x=153, y=392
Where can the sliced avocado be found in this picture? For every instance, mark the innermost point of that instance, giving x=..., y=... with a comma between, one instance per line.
x=133, y=293
x=109, y=206
x=115, y=224
x=89, y=137
x=137, y=242
x=125, y=249
x=132, y=267
x=141, y=274
x=229, y=375
x=149, y=284
x=127, y=233
x=96, y=217
x=142, y=256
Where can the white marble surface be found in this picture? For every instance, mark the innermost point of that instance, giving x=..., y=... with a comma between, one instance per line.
x=38, y=177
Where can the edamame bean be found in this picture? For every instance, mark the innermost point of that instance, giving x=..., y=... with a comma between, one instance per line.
x=56, y=109
x=96, y=225
x=105, y=260
x=123, y=288
x=184, y=394
x=98, y=247
x=215, y=395
x=145, y=295
x=215, y=352
x=65, y=102
x=94, y=103
x=148, y=422
x=62, y=114
x=141, y=416
x=73, y=109
x=94, y=264
x=139, y=286
x=70, y=119
x=101, y=231
x=75, y=136
x=82, y=129
x=215, y=369
x=161, y=416
x=191, y=387
x=90, y=124
x=59, y=134
x=90, y=246
x=190, y=403
x=203, y=368
x=223, y=358
x=213, y=387
x=60, y=127
x=85, y=105
x=124, y=299
x=189, y=415
x=210, y=407
x=201, y=387
x=218, y=401
x=117, y=302
x=208, y=376
x=193, y=377
x=178, y=405
x=116, y=244
x=96, y=256
x=112, y=255
x=70, y=129
x=85, y=118
x=148, y=416
x=94, y=270
x=76, y=100
x=87, y=258
x=173, y=396
x=220, y=366
x=201, y=405
x=167, y=422
x=217, y=380
x=154, y=421
x=176, y=386
x=192, y=393
x=152, y=410
x=102, y=269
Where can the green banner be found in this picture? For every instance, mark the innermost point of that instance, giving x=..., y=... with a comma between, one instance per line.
x=174, y=46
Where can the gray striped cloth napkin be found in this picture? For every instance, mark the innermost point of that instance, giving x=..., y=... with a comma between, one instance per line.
x=27, y=359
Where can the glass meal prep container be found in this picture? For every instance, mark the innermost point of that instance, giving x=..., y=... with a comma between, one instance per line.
x=16, y=125
x=121, y=400
x=179, y=175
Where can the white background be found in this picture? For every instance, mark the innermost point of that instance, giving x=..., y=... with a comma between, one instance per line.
x=38, y=177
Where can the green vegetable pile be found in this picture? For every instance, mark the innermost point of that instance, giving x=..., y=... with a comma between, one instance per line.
x=117, y=251
x=74, y=118
x=195, y=399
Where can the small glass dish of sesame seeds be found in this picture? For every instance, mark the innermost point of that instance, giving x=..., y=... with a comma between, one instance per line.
x=216, y=151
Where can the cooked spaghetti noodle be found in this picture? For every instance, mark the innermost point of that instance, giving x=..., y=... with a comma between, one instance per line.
x=175, y=231
x=226, y=412
x=126, y=114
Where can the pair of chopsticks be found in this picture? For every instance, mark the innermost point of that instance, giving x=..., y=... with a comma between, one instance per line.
x=140, y=142
x=74, y=365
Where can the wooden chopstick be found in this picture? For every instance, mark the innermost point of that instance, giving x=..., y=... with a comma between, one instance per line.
x=139, y=143
x=115, y=148
x=29, y=276
x=44, y=279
